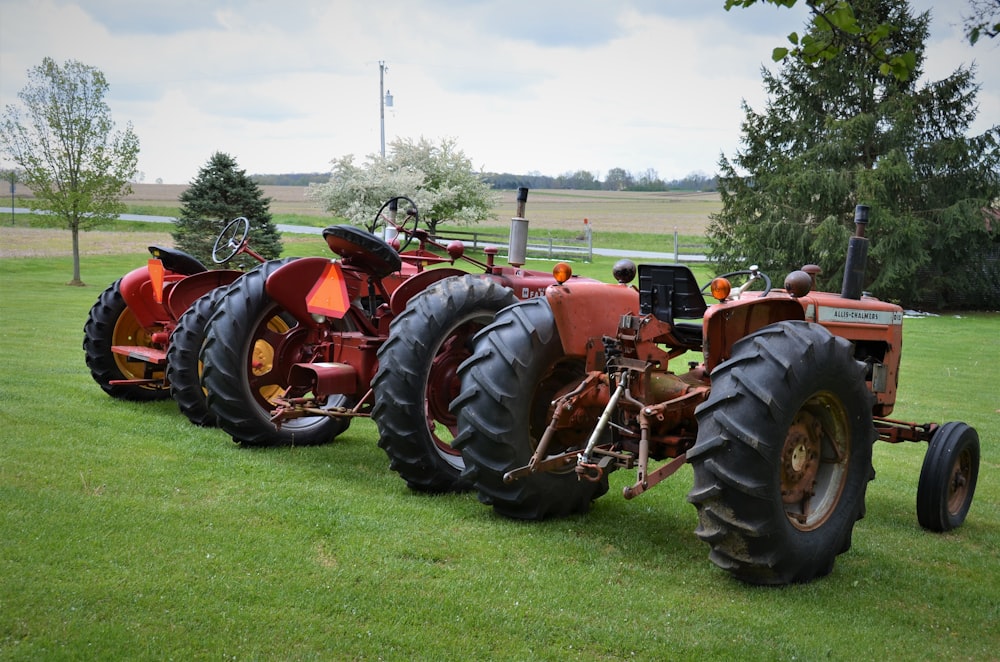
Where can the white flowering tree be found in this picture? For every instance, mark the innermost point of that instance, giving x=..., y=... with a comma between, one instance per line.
x=438, y=177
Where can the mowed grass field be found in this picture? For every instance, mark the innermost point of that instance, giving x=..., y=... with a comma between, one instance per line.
x=607, y=211
x=127, y=533
x=632, y=220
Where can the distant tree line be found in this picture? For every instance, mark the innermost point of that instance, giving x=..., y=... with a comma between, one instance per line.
x=617, y=179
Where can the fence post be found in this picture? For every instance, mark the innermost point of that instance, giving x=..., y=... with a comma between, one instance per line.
x=588, y=233
x=677, y=249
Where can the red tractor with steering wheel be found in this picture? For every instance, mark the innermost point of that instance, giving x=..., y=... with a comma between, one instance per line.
x=143, y=334
x=291, y=356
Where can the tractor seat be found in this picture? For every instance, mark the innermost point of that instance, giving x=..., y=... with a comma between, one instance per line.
x=177, y=261
x=670, y=293
x=362, y=250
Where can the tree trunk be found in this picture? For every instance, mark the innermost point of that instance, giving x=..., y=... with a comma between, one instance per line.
x=75, y=231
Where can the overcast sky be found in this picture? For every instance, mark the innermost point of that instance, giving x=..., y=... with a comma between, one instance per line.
x=549, y=86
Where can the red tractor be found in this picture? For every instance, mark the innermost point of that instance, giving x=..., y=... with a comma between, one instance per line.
x=142, y=336
x=781, y=395
x=291, y=356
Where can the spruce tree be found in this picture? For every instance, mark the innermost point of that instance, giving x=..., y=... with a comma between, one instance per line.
x=220, y=193
x=840, y=132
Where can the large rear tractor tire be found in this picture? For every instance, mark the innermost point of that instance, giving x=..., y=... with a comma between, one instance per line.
x=517, y=368
x=183, y=365
x=249, y=346
x=784, y=454
x=111, y=323
x=417, y=378
x=948, y=477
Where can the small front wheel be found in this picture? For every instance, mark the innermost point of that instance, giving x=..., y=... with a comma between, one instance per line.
x=948, y=477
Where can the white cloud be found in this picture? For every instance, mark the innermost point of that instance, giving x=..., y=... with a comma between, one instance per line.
x=523, y=86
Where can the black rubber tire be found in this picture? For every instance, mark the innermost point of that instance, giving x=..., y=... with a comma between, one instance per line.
x=948, y=477
x=517, y=368
x=791, y=393
x=247, y=321
x=417, y=378
x=183, y=364
x=183, y=354
x=110, y=323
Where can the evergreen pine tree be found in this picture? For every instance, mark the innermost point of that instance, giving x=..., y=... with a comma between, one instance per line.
x=841, y=132
x=220, y=193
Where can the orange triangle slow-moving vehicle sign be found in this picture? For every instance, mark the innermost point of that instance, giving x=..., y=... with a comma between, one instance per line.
x=329, y=295
x=155, y=268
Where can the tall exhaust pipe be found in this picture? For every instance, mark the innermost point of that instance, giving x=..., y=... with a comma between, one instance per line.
x=519, y=231
x=857, y=256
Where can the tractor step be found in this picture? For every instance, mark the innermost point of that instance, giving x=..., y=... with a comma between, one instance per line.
x=140, y=353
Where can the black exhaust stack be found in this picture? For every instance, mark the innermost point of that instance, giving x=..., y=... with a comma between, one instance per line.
x=857, y=256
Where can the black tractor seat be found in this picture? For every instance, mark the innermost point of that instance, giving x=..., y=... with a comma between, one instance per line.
x=362, y=250
x=670, y=293
x=177, y=261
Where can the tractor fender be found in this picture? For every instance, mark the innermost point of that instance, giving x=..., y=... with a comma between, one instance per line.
x=290, y=285
x=185, y=292
x=586, y=311
x=418, y=283
x=137, y=290
x=728, y=322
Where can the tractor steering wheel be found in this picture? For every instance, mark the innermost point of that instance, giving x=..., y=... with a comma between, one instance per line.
x=754, y=275
x=227, y=239
x=381, y=219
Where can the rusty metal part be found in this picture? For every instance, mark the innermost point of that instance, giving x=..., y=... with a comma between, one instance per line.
x=894, y=431
x=548, y=464
x=289, y=408
x=589, y=392
x=602, y=423
x=667, y=470
x=962, y=476
x=800, y=458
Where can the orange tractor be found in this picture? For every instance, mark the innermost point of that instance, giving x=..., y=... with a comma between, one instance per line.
x=781, y=395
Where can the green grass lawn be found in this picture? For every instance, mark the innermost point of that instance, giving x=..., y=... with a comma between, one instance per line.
x=127, y=533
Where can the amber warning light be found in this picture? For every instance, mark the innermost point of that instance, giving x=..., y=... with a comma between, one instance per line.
x=562, y=272
x=720, y=288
